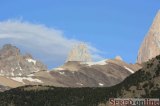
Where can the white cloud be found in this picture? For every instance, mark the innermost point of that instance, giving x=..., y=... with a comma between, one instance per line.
x=48, y=44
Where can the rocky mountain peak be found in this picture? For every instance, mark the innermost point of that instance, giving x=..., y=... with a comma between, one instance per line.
x=118, y=58
x=79, y=52
x=156, y=23
x=150, y=47
x=9, y=50
x=8, y=46
x=13, y=63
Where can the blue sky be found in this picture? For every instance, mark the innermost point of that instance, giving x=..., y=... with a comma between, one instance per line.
x=115, y=27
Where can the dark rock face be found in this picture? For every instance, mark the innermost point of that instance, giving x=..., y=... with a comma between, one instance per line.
x=13, y=63
x=3, y=88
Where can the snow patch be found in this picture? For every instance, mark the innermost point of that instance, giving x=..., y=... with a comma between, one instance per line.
x=100, y=84
x=12, y=73
x=1, y=73
x=12, y=70
x=58, y=69
x=103, y=62
x=36, y=69
x=62, y=73
x=20, y=79
x=19, y=67
x=31, y=61
x=79, y=83
x=129, y=69
x=30, y=75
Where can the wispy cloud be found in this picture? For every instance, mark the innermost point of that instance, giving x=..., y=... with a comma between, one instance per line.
x=48, y=44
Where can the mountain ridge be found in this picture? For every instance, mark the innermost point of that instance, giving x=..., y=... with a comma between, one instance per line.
x=142, y=83
x=19, y=70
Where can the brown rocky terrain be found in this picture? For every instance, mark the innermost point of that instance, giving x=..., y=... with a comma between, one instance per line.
x=93, y=74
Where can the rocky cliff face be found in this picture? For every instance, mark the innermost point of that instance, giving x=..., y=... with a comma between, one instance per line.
x=150, y=47
x=79, y=52
x=12, y=63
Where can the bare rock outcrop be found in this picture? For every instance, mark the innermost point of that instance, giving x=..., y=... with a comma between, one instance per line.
x=150, y=47
x=79, y=52
x=118, y=58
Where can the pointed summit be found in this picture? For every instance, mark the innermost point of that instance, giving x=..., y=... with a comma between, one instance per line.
x=156, y=23
x=9, y=50
x=150, y=47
